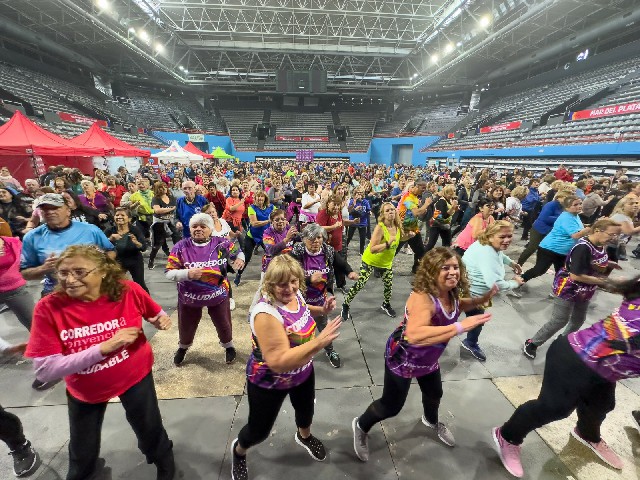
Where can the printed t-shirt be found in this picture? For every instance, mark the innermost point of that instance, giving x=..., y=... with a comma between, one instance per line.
x=410, y=223
x=64, y=325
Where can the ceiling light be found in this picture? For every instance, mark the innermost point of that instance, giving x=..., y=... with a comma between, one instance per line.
x=485, y=21
x=186, y=72
x=449, y=48
x=144, y=36
x=159, y=48
x=103, y=4
x=434, y=58
x=181, y=67
x=459, y=44
x=132, y=30
x=415, y=75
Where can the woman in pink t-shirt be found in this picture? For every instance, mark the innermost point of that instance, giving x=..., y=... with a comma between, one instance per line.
x=13, y=291
x=234, y=209
x=478, y=224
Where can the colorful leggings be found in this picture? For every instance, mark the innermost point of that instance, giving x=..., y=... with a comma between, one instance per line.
x=365, y=273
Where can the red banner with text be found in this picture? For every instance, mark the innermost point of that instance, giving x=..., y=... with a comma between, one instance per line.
x=611, y=110
x=501, y=127
x=74, y=118
x=289, y=138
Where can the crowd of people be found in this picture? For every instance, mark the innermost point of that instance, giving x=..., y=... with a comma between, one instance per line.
x=80, y=235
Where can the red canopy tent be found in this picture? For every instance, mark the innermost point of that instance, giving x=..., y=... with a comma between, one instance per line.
x=97, y=137
x=191, y=148
x=28, y=149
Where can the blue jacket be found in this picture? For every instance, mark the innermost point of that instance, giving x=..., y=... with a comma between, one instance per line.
x=532, y=200
x=546, y=219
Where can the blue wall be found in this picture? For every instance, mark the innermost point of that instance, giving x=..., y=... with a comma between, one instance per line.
x=380, y=150
x=594, y=149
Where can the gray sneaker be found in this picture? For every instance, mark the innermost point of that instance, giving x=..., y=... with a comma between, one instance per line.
x=444, y=434
x=360, y=441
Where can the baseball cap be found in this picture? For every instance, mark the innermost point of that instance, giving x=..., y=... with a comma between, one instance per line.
x=53, y=199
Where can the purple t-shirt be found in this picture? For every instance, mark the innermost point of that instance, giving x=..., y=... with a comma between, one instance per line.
x=213, y=287
x=300, y=328
x=591, y=343
x=410, y=361
x=572, y=291
x=312, y=263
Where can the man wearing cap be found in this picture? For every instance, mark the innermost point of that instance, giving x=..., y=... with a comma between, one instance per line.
x=42, y=245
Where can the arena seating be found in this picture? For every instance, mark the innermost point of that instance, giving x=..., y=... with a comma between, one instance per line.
x=240, y=124
x=361, y=126
x=408, y=119
x=291, y=124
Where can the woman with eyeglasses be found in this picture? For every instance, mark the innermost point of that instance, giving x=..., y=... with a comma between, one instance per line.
x=89, y=332
x=586, y=267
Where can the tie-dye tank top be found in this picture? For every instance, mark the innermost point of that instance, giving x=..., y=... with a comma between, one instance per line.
x=300, y=328
x=316, y=263
x=591, y=343
x=270, y=239
x=573, y=291
x=410, y=361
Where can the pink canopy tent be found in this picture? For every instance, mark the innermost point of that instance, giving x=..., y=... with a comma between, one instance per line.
x=28, y=149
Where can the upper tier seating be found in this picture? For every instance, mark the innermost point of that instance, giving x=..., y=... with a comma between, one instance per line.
x=361, y=126
x=240, y=124
x=440, y=117
x=293, y=124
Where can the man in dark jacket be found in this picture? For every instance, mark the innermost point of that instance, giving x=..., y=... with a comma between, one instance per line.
x=530, y=208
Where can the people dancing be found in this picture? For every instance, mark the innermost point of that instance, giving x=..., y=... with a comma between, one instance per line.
x=281, y=363
x=199, y=264
x=380, y=252
x=580, y=373
x=440, y=293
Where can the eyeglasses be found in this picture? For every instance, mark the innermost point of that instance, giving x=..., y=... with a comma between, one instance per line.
x=77, y=273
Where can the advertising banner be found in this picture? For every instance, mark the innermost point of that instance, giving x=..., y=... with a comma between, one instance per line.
x=74, y=118
x=501, y=127
x=196, y=137
x=611, y=110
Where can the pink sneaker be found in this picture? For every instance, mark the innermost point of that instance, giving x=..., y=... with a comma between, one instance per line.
x=601, y=449
x=509, y=454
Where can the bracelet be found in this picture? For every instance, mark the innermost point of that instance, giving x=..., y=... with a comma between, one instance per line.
x=459, y=328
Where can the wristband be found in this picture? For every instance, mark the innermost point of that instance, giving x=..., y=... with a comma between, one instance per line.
x=459, y=328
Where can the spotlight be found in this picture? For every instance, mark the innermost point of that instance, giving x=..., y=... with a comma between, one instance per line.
x=144, y=36
x=434, y=58
x=459, y=44
x=181, y=67
x=159, y=47
x=448, y=48
x=485, y=21
x=103, y=4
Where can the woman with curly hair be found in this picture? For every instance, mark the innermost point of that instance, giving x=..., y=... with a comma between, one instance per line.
x=413, y=349
x=89, y=332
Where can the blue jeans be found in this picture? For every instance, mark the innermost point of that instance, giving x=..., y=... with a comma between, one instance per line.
x=474, y=335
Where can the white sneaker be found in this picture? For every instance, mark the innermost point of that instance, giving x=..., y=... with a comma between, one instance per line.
x=232, y=304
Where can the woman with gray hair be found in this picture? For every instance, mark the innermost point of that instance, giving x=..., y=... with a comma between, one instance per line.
x=318, y=260
x=200, y=264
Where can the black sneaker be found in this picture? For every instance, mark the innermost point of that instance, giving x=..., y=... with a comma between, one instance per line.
x=229, y=355
x=238, y=464
x=636, y=417
x=529, y=349
x=475, y=350
x=152, y=265
x=313, y=446
x=334, y=359
x=178, y=358
x=345, y=314
x=236, y=280
x=40, y=386
x=25, y=460
x=388, y=309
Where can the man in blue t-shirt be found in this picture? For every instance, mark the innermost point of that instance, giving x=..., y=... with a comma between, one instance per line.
x=42, y=246
x=188, y=206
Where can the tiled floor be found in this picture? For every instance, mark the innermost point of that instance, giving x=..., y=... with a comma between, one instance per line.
x=477, y=396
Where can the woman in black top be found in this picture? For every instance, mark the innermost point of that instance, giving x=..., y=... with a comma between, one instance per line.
x=80, y=212
x=130, y=243
x=440, y=225
x=13, y=210
x=164, y=216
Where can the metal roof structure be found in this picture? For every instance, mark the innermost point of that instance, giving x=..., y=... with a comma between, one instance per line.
x=364, y=45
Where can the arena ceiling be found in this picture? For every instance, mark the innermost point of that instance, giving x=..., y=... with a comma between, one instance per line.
x=364, y=45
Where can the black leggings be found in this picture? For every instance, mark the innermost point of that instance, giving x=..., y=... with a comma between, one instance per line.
x=135, y=266
x=362, y=234
x=417, y=246
x=247, y=248
x=568, y=384
x=443, y=233
x=264, y=406
x=160, y=237
x=11, y=430
x=535, y=238
x=394, y=394
x=85, y=423
x=544, y=260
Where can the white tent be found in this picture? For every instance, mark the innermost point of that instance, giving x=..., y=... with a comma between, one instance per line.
x=176, y=154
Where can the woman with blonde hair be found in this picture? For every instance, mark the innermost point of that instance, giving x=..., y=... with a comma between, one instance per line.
x=413, y=349
x=624, y=213
x=513, y=205
x=379, y=254
x=485, y=261
x=285, y=340
x=89, y=332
